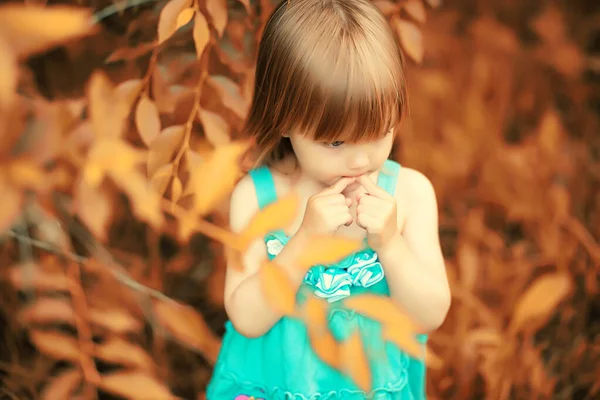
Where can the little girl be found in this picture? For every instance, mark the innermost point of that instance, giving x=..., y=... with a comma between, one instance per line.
x=330, y=88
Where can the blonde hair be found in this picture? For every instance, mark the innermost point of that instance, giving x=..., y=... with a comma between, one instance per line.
x=330, y=69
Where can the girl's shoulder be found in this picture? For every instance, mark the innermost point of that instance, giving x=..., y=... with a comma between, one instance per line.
x=415, y=192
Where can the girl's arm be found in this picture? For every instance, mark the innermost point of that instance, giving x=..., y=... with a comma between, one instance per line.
x=413, y=260
x=247, y=307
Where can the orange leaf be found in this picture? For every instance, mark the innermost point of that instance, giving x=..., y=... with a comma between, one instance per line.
x=230, y=94
x=176, y=189
x=321, y=339
x=416, y=10
x=167, y=21
x=10, y=199
x=8, y=73
x=380, y=308
x=276, y=215
x=115, y=320
x=62, y=386
x=56, y=345
x=216, y=129
x=216, y=176
x=47, y=310
x=115, y=156
x=540, y=300
x=25, y=174
x=118, y=351
x=130, y=53
x=184, y=17
x=164, y=147
x=187, y=225
x=189, y=327
x=25, y=275
x=147, y=120
x=135, y=385
x=108, y=111
x=217, y=9
x=277, y=288
x=93, y=205
x=33, y=29
x=327, y=250
x=354, y=362
x=145, y=201
x=201, y=33
x=411, y=39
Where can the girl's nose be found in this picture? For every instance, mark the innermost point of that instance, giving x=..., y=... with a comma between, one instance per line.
x=358, y=162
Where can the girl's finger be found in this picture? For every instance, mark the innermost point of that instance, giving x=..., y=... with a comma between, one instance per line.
x=371, y=187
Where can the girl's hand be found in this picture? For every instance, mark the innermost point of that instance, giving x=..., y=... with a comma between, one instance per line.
x=327, y=210
x=376, y=213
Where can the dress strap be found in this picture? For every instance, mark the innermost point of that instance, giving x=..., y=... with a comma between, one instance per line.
x=264, y=186
x=388, y=176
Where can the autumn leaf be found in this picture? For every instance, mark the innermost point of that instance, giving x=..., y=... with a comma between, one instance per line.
x=168, y=19
x=277, y=288
x=189, y=327
x=94, y=207
x=135, y=385
x=56, y=345
x=277, y=215
x=379, y=308
x=416, y=10
x=411, y=39
x=62, y=386
x=144, y=200
x=217, y=9
x=246, y=4
x=31, y=275
x=540, y=300
x=11, y=204
x=327, y=250
x=121, y=352
x=8, y=73
x=161, y=178
x=25, y=174
x=314, y=313
x=230, y=94
x=33, y=29
x=217, y=175
x=201, y=33
x=48, y=310
x=163, y=149
x=116, y=320
x=147, y=120
x=107, y=110
x=184, y=17
x=354, y=362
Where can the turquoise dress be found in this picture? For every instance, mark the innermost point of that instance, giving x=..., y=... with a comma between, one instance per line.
x=281, y=365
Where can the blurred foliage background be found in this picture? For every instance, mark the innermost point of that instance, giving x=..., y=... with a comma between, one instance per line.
x=504, y=119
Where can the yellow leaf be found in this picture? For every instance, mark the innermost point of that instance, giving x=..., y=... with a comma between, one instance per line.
x=167, y=21
x=314, y=312
x=411, y=39
x=540, y=300
x=215, y=127
x=277, y=288
x=93, y=206
x=164, y=147
x=184, y=17
x=277, y=215
x=27, y=175
x=62, y=386
x=201, y=34
x=354, y=362
x=416, y=10
x=135, y=385
x=327, y=250
x=56, y=345
x=176, y=189
x=187, y=225
x=128, y=91
x=216, y=176
x=107, y=110
x=147, y=120
x=8, y=74
x=32, y=29
x=11, y=199
x=217, y=9
x=115, y=155
x=144, y=200
x=161, y=178
x=189, y=327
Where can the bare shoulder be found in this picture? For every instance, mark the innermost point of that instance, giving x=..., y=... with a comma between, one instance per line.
x=414, y=190
x=243, y=204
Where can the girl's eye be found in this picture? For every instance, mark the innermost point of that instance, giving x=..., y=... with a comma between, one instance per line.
x=337, y=143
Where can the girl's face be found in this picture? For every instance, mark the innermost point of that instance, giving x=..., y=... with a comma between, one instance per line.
x=327, y=162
